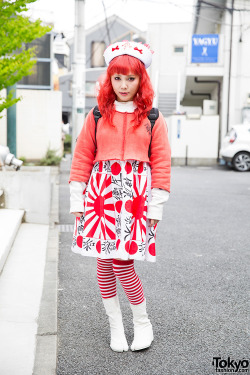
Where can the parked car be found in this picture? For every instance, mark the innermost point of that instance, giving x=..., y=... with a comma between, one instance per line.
x=235, y=147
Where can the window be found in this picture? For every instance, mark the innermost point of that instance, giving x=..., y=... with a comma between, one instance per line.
x=41, y=77
x=43, y=46
x=178, y=49
x=97, y=51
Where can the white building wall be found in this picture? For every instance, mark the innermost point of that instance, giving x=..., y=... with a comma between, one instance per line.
x=162, y=39
x=39, y=122
x=240, y=72
x=196, y=139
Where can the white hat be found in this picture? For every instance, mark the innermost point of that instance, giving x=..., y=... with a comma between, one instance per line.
x=138, y=50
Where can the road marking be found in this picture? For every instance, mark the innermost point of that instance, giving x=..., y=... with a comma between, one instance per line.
x=66, y=228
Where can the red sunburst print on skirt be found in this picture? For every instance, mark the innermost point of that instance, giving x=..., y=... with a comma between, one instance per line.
x=131, y=247
x=128, y=167
x=140, y=167
x=151, y=249
x=79, y=241
x=139, y=209
x=118, y=244
x=116, y=168
x=100, y=209
x=100, y=166
x=118, y=206
x=76, y=225
x=98, y=247
x=128, y=206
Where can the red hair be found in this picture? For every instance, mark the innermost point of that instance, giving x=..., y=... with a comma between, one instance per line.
x=125, y=65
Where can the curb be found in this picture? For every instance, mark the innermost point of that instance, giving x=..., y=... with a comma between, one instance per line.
x=10, y=221
x=46, y=341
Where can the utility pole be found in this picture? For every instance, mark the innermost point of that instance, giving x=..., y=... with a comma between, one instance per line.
x=11, y=122
x=78, y=82
x=230, y=65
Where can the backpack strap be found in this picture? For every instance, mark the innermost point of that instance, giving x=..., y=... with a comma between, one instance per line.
x=97, y=116
x=153, y=116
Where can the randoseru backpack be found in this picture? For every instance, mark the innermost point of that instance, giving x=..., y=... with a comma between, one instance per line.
x=153, y=116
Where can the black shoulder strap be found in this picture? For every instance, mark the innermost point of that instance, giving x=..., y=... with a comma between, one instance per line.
x=97, y=116
x=153, y=116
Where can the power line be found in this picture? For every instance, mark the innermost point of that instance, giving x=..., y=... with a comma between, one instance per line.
x=106, y=22
x=194, y=14
x=97, y=47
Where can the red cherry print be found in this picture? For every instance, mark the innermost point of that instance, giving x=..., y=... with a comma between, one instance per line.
x=133, y=248
x=79, y=241
x=151, y=249
x=116, y=168
x=127, y=246
x=118, y=206
x=128, y=206
x=98, y=247
x=128, y=167
x=140, y=167
x=117, y=244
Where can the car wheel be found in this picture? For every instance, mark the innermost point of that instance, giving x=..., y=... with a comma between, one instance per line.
x=241, y=161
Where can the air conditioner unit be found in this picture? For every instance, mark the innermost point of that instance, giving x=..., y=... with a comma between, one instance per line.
x=210, y=107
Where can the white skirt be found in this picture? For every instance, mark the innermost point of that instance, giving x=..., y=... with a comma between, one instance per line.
x=114, y=223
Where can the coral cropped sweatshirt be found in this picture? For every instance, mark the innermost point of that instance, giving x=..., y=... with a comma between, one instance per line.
x=123, y=141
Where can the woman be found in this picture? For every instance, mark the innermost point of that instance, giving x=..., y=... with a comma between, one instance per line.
x=119, y=181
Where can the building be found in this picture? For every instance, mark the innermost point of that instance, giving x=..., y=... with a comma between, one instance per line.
x=199, y=66
x=39, y=112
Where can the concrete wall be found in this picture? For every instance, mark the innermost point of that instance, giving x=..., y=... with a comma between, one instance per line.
x=29, y=189
x=198, y=139
x=39, y=120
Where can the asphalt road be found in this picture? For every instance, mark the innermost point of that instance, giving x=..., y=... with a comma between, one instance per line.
x=196, y=291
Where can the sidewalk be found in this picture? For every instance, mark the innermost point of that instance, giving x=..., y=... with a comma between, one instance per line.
x=28, y=299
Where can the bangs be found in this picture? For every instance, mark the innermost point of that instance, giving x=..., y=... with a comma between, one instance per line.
x=125, y=64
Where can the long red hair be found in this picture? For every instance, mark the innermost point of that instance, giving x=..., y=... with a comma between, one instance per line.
x=125, y=65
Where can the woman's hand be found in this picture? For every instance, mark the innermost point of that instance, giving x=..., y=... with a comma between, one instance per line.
x=152, y=222
x=77, y=214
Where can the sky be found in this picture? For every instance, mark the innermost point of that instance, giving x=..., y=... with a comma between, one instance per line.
x=137, y=12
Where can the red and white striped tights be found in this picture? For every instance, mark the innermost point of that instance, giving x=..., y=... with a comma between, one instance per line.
x=109, y=269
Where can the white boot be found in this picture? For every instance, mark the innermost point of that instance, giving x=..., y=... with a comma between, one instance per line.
x=118, y=341
x=143, y=331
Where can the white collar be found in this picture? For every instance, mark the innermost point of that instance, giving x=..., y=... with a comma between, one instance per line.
x=125, y=106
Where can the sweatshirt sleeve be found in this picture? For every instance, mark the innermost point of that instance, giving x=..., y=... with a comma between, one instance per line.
x=160, y=155
x=155, y=206
x=77, y=194
x=84, y=153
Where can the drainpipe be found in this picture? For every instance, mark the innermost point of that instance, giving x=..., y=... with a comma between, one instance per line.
x=200, y=94
x=218, y=94
x=230, y=64
x=198, y=8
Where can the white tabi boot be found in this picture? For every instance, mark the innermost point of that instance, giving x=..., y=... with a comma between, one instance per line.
x=143, y=331
x=118, y=341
